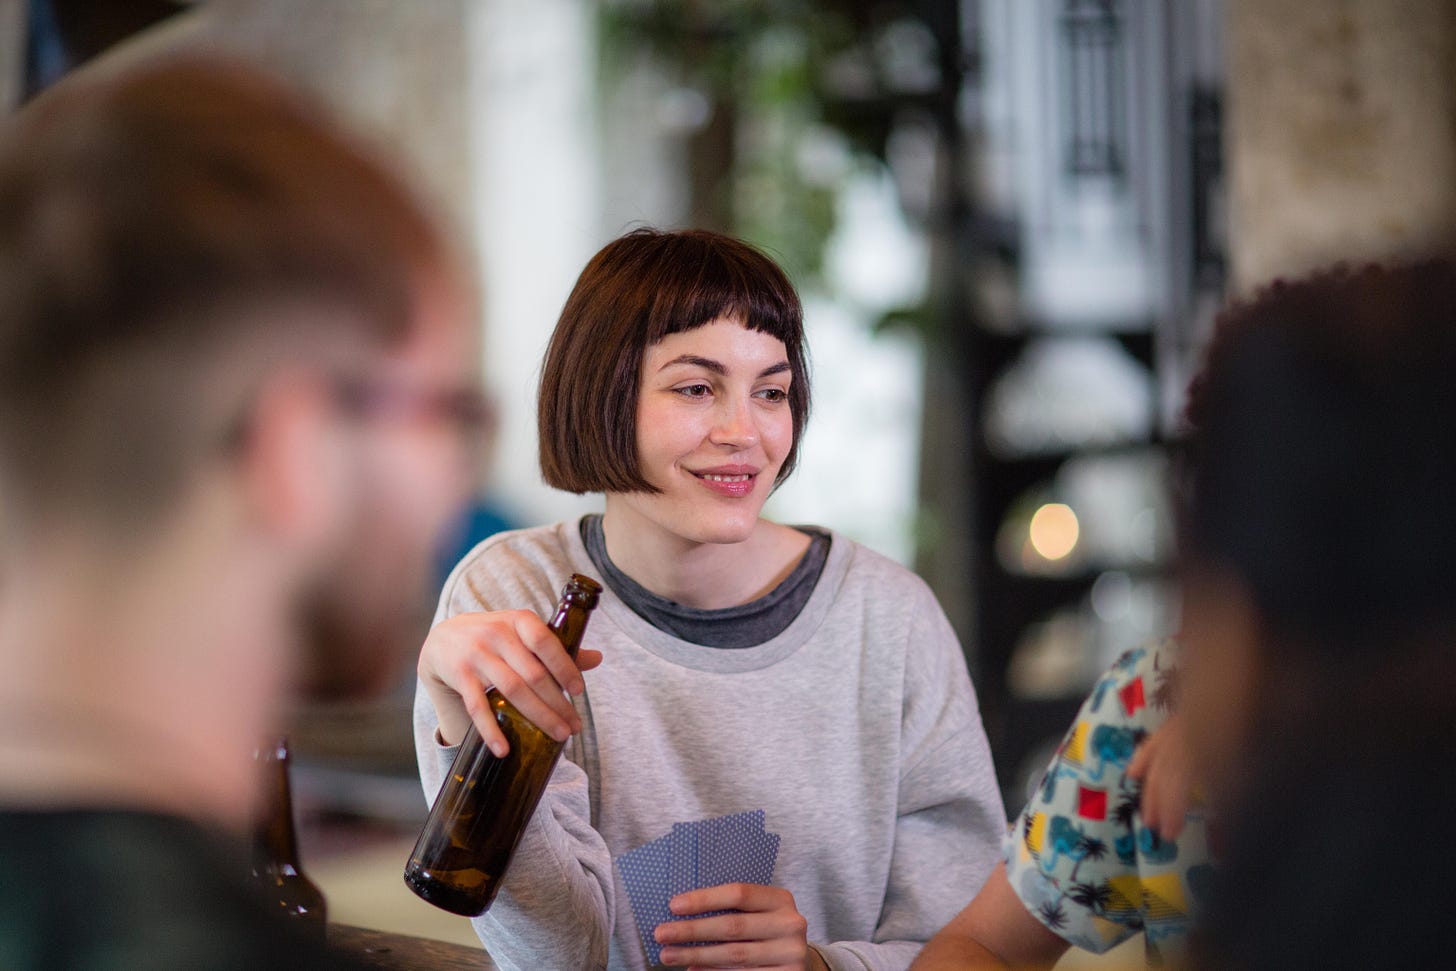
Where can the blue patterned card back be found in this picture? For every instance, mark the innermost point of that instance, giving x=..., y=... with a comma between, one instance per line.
x=704, y=853
x=644, y=874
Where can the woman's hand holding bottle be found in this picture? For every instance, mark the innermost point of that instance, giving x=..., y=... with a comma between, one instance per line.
x=512, y=651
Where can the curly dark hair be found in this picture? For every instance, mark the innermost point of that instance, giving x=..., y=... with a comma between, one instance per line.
x=1320, y=453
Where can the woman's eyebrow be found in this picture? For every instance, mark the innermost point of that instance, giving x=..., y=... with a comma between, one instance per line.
x=717, y=367
x=706, y=363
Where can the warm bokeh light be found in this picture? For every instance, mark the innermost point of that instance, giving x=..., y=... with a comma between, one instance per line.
x=1054, y=530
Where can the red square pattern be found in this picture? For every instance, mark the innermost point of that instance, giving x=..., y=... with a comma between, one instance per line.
x=1132, y=696
x=1091, y=803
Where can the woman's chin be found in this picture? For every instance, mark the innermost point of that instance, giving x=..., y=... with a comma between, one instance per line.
x=728, y=532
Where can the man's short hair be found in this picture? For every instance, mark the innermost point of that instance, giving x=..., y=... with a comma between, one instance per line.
x=637, y=290
x=164, y=232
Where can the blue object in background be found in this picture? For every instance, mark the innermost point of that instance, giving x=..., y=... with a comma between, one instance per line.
x=480, y=520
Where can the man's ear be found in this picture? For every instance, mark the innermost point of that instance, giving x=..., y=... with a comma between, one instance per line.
x=292, y=461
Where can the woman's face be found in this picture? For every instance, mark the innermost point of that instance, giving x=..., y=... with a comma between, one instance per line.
x=1220, y=675
x=713, y=428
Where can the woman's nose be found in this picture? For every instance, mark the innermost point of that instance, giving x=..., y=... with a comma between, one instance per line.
x=734, y=425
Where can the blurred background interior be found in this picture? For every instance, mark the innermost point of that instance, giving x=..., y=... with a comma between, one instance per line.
x=1012, y=222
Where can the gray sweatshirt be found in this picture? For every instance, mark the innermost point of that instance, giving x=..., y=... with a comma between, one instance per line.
x=856, y=730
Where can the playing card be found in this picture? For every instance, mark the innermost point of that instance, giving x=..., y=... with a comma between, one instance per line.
x=725, y=843
x=644, y=874
x=758, y=864
x=683, y=863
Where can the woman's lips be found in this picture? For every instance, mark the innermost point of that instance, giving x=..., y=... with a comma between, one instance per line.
x=731, y=484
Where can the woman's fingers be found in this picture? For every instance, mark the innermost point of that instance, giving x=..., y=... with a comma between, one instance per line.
x=513, y=652
x=477, y=706
x=762, y=928
x=564, y=673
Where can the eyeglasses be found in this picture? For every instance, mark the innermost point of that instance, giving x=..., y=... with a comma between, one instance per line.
x=465, y=408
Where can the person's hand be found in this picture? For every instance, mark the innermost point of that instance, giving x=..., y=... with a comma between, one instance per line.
x=516, y=653
x=1162, y=765
x=764, y=930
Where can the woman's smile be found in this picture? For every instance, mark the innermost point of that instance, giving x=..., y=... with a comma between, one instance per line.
x=733, y=481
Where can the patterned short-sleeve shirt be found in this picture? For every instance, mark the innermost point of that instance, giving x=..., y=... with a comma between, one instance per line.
x=1079, y=856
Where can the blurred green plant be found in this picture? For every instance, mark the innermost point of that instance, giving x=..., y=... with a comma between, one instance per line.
x=797, y=94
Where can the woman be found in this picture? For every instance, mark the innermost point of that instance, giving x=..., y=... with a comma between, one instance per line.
x=1318, y=541
x=748, y=664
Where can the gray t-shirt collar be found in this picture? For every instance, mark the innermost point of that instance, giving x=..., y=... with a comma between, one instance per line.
x=746, y=625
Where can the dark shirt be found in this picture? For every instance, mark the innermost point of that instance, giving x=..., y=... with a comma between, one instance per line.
x=746, y=625
x=116, y=890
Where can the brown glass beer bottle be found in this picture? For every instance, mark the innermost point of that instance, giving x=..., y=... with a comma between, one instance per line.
x=485, y=802
x=276, y=872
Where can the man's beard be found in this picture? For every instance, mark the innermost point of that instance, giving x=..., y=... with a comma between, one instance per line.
x=360, y=625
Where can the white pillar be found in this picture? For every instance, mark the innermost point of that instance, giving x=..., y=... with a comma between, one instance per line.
x=537, y=214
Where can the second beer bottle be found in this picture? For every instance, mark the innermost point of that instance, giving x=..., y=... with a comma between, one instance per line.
x=276, y=871
x=485, y=802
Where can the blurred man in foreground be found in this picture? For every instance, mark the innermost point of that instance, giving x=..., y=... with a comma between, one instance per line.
x=235, y=408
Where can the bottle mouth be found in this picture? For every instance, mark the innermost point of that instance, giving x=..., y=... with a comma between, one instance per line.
x=582, y=589
x=584, y=583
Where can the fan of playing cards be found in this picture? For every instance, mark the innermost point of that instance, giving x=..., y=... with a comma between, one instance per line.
x=705, y=853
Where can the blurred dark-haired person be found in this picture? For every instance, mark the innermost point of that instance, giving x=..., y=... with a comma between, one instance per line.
x=1319, y=570
x=749, y=665
x=234, y=411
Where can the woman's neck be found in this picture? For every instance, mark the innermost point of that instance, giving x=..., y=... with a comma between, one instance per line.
x=709, y=576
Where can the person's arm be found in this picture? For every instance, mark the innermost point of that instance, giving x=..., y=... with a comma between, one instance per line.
x=993, y=931
x=1075, y=840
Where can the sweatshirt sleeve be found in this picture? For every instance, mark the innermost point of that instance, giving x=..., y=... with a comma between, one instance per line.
x=950, y=821
x=555, y=907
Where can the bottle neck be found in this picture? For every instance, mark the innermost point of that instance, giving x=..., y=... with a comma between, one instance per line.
x=274, y=841
x=569, y=624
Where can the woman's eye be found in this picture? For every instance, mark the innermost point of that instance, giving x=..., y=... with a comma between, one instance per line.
x=774, y=394
x=695, y=391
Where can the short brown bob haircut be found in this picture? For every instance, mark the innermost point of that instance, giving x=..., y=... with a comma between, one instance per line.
x=637, y=290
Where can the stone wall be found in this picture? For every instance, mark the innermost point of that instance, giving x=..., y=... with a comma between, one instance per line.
x=1341, y=141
